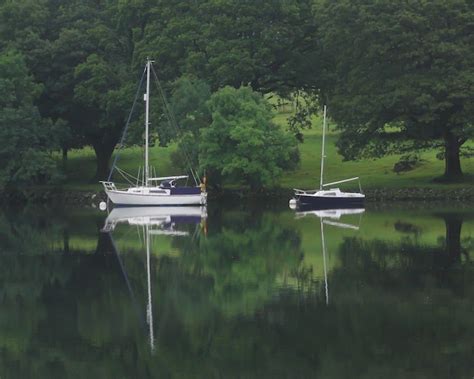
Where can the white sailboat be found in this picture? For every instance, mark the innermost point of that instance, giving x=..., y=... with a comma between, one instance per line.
x=155, y=190
x=328, y=198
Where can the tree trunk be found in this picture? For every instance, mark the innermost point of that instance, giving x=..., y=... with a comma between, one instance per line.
x=452, y=169
x=66, y=240
x=453, y=237
x=64, y=158
x=104, y=242
x=103, y=152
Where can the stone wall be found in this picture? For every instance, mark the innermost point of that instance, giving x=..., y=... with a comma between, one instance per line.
x=93, y=198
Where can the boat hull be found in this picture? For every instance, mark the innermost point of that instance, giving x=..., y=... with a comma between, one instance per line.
x=140, y=199
x=324, y=202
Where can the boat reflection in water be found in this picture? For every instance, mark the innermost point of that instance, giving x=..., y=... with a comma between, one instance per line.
x=328, y=217
x=163, y=219
x=153, y=221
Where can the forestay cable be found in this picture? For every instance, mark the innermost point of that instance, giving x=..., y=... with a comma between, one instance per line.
x=122, y=140
x=173, y=122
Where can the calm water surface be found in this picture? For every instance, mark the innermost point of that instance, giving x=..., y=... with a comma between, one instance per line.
x=237, y=292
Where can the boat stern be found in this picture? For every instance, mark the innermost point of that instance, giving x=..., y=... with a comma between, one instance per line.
x=109, y=186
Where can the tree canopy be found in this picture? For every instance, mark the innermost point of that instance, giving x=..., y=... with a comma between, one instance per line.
x=26, y=138
x=242, y=143
x=397, y=76
x=400, y=76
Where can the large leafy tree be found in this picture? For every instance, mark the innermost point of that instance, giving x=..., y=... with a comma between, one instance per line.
x=96, y=83
x=33, y=27
x=242, y=143
x=401, y=76
x=105, y=96
x=82, y=52
x=26, y=139
x=88, y=54
x=190, y=114
x=269, y=45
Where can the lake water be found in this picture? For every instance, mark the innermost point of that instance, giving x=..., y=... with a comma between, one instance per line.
x=238, y=291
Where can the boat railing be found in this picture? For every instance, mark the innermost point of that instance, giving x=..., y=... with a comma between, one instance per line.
x=109, y=186
x=303, y=192
x=108, y=227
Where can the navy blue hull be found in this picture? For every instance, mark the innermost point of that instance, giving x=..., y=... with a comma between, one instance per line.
x=185, y=191
x=324, y=202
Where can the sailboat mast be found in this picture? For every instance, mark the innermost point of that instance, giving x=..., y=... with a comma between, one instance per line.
x=147, y=110
x=149, y=310
x=322, y=149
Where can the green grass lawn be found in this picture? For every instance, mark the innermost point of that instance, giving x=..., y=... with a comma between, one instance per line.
x=81, y=164
x=373, y=173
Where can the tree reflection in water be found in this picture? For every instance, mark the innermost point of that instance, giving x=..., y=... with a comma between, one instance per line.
x=237, y=302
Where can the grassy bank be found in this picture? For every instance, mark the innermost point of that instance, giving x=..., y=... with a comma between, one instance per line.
x=374, y=174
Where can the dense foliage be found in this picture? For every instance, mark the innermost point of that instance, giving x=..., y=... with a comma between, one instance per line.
x=242, y=142
x=26, y=138
x=401, y=76
x=397, y=76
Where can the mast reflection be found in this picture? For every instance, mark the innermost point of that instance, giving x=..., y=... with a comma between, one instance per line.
x=152, y=221
x=327, y=216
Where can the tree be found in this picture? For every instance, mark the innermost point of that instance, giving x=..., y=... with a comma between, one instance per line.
x=26, y=139
x=70, y=48
x=271, y=46
x=242, y=143
x=268, y=45
x=106, y=95
x=97, y=80
x=32, y=28
x=188, y=104
x=400, y=76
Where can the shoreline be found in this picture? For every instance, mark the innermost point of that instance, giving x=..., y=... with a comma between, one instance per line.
x=377, y=195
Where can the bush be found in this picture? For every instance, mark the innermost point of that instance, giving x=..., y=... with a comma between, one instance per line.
x=407, y=162
x=242, y=144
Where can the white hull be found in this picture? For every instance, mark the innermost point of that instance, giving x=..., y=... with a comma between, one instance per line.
x=129, y=198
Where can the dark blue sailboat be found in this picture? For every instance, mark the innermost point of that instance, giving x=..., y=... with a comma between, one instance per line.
x=328, y=198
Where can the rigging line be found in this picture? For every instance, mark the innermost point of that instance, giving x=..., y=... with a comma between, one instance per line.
x=172, y=120
x=125, y=174
x=139, y=235
x=126, y=179
x=127, y=281
x=122, y=140
x=169, y=114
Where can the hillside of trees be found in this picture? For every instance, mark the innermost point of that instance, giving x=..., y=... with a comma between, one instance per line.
x=397, y=77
